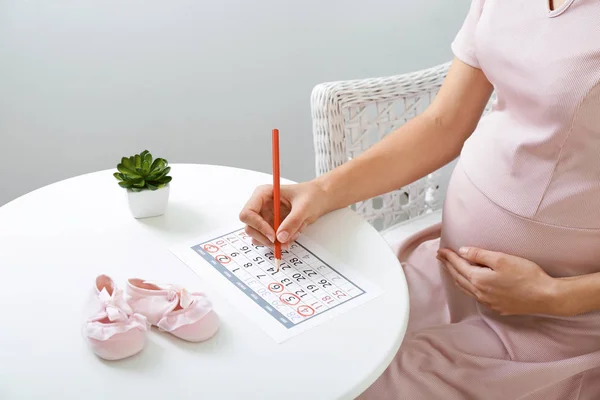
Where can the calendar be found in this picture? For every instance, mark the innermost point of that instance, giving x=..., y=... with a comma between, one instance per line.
x=310, y=287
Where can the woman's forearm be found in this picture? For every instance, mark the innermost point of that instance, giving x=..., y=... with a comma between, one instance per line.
x=418, y=148
x=576, y=295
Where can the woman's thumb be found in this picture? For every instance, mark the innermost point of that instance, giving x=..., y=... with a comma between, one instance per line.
x=291, y=224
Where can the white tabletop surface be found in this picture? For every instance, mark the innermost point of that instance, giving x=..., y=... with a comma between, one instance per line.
x=57, y=239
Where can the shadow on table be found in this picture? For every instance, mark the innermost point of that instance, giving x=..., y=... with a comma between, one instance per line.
x=209, y=347
x=150, y=357
x=159, y=343
x=179, y=218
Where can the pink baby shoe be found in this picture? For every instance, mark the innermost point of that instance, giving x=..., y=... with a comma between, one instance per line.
x=114, y=331
x=188, y=316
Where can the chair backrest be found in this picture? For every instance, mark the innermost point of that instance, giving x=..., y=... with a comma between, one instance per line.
x=350, y=116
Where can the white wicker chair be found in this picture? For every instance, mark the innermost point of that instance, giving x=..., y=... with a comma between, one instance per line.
x=350, y=116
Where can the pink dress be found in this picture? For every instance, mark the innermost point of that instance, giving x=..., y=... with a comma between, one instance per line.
x=527, y=184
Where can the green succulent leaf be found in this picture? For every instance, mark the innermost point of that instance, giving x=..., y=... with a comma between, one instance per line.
x=159, y=174
x=127, y=162
x=158, y=167
x=129, y=178
x=152, y=177
x=146, y=167
x=126, y=171
x=143, y=172
x=155, y=164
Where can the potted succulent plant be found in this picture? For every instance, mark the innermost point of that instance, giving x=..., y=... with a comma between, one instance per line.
x=147, y=183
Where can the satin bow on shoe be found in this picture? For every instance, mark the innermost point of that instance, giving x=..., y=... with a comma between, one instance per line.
x=172, y=308
x=189, y=307
x=111, y=328
x=114, y=307
x=183, y=297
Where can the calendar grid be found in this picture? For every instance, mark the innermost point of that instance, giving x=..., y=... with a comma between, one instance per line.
x=303, y=288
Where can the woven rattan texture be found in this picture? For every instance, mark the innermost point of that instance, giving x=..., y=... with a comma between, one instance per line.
x=350, y=116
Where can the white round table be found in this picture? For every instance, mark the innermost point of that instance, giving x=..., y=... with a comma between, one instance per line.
x=54, y=241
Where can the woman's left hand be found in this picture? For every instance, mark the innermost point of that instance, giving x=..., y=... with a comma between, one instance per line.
x=507, y=284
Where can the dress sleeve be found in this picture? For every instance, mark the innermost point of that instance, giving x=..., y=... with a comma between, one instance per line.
x=463, y=45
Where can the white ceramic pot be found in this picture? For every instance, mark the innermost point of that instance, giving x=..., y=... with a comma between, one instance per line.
x=148, y=203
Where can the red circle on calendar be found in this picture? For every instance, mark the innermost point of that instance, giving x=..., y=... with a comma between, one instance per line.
x=290, y=299
x=306, y=311
x=223, y=259
x=211, y=248
x=275, y=287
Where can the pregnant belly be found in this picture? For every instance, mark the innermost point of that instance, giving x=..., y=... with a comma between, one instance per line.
x=471, y=219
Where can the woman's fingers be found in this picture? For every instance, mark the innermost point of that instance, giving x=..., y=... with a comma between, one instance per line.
x=491, y=259
x=258, y=237
x=295, y=213
x=459, y=274
x=460, y=265
x=291, y=225
x=460, y=280
x=288, y=244
x=250, y=215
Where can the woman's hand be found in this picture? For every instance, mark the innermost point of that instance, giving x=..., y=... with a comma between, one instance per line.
x=301, y=204
x=507, y=284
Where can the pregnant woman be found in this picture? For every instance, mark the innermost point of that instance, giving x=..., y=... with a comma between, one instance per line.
x=505, y=293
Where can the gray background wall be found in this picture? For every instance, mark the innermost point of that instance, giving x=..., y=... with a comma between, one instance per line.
x=84, y=82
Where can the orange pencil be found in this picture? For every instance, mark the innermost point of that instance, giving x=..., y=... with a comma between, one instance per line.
x=276, y=198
